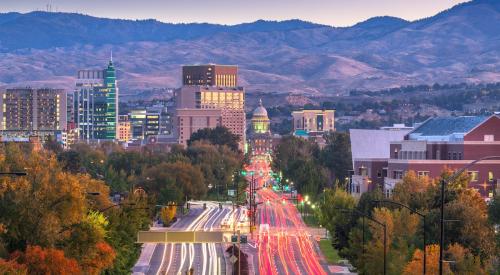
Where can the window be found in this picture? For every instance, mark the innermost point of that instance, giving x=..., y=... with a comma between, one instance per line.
x=474, y=175
x=357, y=189
x=395, y=153
x=459, y=155
x=363, y=171
x=491, y=177
x=489, y=138
x=423, y=174
x=449, y=155
x=397, y=175
x=454, y=155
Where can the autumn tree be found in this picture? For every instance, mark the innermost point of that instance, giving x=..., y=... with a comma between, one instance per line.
x=167, y=213
x=416, y=266
x=464, y=262
x=42, y=261
x=12, y=267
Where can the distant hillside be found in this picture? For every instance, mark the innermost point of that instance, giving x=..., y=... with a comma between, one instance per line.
x=458, y=45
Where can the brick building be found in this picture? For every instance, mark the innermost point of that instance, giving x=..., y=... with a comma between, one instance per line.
x=451, y=142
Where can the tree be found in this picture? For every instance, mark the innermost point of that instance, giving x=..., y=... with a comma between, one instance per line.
x=464, y=262
x=337, y=155
x=333, y=217
x=218, y=163
x=167, y=213
x=43, y=261
x=179, y=176
x=412, y=191
x=494, y=210
x=298, y=159
x=415, y=266
x=217, y=136
x=12, y=268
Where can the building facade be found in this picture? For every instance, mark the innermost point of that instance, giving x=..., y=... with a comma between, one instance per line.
x=313, y=121
x=33, y=112
x=370, y=157
x=229, y=102
x=260, y=139
x=124, y=129
x=191, y=120
x=210, y=75
x=449, y=142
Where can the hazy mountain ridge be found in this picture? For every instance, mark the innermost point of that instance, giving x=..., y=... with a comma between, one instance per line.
x=461, y=44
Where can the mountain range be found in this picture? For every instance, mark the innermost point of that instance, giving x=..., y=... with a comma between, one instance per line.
x=458, y=45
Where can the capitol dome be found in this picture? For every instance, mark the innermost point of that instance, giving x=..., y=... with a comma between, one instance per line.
x=260, y=111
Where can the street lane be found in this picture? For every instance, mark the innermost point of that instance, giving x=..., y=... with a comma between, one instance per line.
x=284, y=244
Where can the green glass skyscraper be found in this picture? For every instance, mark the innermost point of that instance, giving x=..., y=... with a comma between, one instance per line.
x=96, y=104
x=111, y=100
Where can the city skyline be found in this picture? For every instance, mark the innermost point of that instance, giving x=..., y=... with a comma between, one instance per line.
x=334, y=13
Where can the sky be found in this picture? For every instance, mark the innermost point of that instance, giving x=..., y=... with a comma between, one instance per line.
x=329, y=12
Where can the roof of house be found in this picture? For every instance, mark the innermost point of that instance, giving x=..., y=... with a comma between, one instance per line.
x=374, y=144
x=444, y=126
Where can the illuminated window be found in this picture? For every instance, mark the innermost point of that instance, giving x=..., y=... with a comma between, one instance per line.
x=422, y=174
x=474, y=175
x=489, y=138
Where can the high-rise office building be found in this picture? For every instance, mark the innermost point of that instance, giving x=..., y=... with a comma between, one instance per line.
x=210, y=75
x=111, y=88
x=96, y=104
x=229, y=101
x=29, y=111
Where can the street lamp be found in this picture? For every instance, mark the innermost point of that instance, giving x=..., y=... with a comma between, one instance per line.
x=441, y=227
x=413, y=211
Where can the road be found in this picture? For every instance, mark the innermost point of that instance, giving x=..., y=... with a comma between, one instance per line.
x=203, y=258
x=284, y=244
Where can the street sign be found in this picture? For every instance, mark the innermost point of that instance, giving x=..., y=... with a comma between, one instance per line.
x=231, y=192
x=151, y=237
x=234, y=238
x=233, y=259
x=180, y=237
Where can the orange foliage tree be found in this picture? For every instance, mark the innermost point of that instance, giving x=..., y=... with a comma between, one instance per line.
x=49, y=261
x=12, y=268
x=102, y=258
x=415, y=266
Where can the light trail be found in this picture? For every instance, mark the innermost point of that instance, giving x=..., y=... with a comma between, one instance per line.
x=285, y=247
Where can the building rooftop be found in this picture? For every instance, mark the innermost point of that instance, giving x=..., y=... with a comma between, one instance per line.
x=374, y=144
x=446, y=126
x=260, y=111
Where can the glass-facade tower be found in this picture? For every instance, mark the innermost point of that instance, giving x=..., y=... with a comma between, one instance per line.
x=111, y=100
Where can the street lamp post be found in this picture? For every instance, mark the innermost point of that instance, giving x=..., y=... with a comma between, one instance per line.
x=375, y=221
x=416, y=212
x=441, y=224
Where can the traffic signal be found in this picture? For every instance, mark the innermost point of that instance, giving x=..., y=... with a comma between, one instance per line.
x=220, y=205
x=268, y=202
x=243, y=239
x=234, y=238
x=283, y=201
x=204, y=206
